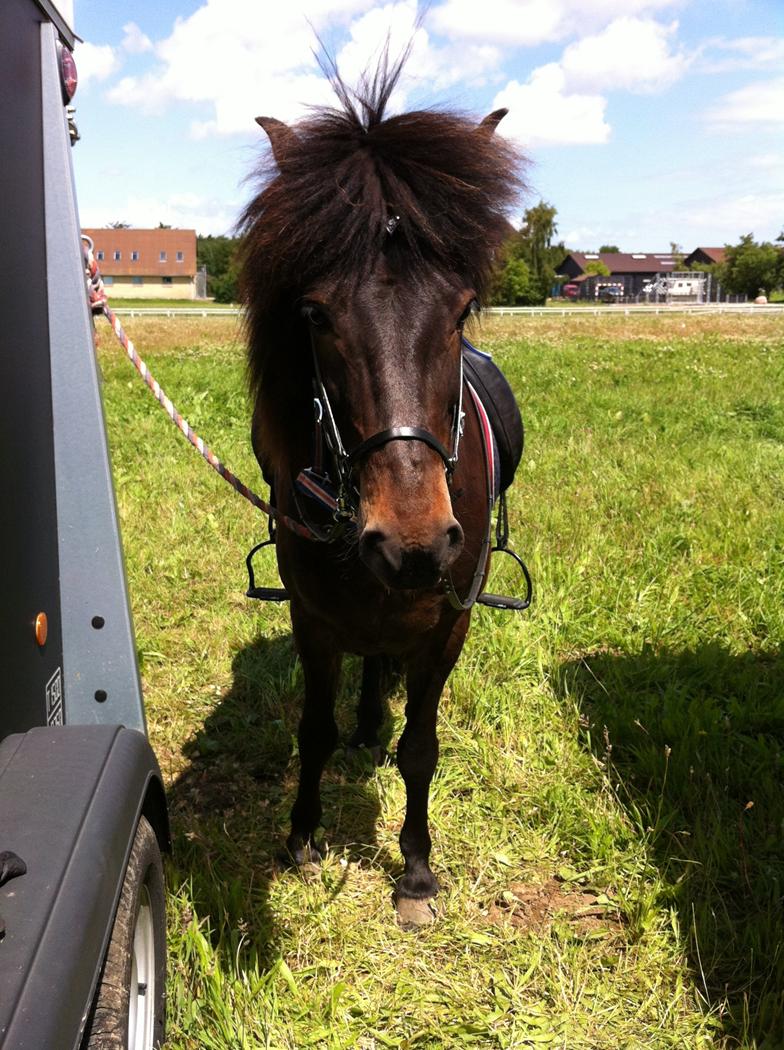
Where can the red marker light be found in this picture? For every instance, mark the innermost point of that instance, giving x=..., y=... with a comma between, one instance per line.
x=67, y=74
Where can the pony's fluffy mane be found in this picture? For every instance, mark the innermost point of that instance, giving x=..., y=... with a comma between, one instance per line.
x=337, y=178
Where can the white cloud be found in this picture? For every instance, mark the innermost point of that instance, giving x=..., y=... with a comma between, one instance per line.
x=766, y=162
x=757, y=104
x=268, y=68
x=564, y=103
x=720, y=55
x=430, y=66
x=543, y=113
x=631, y=54
x=503, y=22
x=513, y=23
x=100, y=61
x=95, y=62
x=369, y=33
x=134, y=41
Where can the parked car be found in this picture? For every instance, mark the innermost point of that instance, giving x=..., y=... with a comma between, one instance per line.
x=570, y=291
x=610, y=294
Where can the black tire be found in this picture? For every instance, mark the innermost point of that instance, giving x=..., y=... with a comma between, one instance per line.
x=141, y=913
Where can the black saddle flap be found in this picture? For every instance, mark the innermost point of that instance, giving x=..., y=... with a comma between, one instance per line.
x=492, y=387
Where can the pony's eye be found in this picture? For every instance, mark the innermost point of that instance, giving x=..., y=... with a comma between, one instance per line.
x=471, y=308
x=314, y=315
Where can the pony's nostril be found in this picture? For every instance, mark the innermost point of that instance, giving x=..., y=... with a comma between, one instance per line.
x=454, y=535
x=375, y=546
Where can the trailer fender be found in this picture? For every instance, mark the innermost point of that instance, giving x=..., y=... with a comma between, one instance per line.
x=70, y=801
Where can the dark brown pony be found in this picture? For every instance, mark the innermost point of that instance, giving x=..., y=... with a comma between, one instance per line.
x=365, y=253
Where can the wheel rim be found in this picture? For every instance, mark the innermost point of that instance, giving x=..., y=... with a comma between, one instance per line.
x=141, y=1003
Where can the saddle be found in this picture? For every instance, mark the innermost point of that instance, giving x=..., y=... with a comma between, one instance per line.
x=499, y=402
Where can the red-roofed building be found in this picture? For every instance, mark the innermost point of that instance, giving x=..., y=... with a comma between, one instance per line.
x=146, y=264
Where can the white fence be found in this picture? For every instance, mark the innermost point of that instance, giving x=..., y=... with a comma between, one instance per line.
x=626, y=309
x=609, y=310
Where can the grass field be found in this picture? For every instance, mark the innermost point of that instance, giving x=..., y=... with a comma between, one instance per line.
x=608, y=812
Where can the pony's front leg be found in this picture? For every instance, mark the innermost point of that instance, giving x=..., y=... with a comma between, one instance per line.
x=318, y=732
x=417, y=755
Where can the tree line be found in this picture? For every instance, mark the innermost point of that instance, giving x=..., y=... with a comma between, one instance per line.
x=528, y=263
x=750, y=268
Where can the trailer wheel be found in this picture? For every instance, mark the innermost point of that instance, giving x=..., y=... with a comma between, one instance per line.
x=128, y=1011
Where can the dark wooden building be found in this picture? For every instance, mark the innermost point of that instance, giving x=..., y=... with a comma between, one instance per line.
x=704, y=257
x=630, y=272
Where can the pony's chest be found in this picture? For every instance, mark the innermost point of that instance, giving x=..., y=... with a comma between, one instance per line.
x=363, y=616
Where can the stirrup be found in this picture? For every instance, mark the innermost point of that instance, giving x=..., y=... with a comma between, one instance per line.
x=501, y=601
x=264, y=594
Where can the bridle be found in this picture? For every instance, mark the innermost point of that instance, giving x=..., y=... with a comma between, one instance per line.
x=347, y=462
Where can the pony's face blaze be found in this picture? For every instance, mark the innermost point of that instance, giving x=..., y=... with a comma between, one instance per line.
x=388, y=351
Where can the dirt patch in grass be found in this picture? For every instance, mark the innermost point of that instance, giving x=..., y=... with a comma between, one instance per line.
x=534, y=906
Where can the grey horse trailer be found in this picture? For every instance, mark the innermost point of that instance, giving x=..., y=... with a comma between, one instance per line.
x=83, y=818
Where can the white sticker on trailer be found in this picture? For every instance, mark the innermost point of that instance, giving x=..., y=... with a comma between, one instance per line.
x=54, y=699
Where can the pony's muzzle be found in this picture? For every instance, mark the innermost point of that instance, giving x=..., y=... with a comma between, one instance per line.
x=410, y=566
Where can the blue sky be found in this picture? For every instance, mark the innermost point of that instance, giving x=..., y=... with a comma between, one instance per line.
x=646, y=121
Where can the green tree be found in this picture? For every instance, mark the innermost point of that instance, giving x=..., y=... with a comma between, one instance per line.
x=513, y=284
x=597, y=267
x=219, y=257
x=526, y=270
x=750, y=268
x=678, y=254
x=536, y=244
x=609, y=248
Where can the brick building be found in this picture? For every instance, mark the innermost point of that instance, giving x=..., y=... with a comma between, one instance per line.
x=146, y=264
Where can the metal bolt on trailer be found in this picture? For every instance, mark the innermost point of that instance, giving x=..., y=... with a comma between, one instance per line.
x=83, y=815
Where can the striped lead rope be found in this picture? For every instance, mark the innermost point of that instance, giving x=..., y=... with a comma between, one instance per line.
x=99, y=304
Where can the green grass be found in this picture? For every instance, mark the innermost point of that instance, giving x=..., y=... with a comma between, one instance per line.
x=625, y=736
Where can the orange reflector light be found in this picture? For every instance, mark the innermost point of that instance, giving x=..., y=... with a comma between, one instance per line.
x=41, y=628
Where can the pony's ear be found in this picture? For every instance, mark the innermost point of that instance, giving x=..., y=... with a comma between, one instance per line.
x=491, y=121
x=281, y=137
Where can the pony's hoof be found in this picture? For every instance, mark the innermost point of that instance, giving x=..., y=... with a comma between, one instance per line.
x=413, y=914
x=305, y=858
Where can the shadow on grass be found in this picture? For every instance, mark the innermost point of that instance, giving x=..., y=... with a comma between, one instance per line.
x=230, y=807
x=696, y=742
